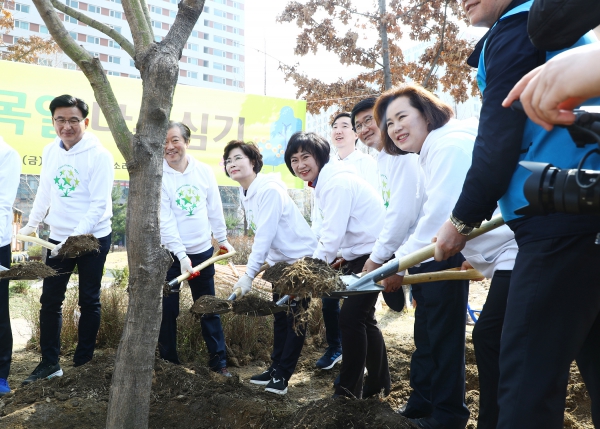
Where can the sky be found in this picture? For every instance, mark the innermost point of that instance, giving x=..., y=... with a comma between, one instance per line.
x=264, y=34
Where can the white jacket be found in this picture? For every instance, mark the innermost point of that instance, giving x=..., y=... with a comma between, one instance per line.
x=190, y=207
x=445, y=159
x=76, y=186
x=351, y=210
x=400, y=185
x=494, y=250
x=366, y=168
x=10, y=174
x=281, y=233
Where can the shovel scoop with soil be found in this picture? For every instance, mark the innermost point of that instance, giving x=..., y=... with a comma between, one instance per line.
x=28, y=271
x=78, y=245
x=308, y=277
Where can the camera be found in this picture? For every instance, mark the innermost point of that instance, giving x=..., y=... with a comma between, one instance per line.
x=550, y=189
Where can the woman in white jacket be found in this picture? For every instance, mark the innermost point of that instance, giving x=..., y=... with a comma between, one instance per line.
x=281, y=234
x=190, y=212
x=353, y=216
x=413, y=120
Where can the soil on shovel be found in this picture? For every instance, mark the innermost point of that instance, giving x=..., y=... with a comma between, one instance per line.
x=78, y=245
x=253, y=305
x=28, y=271
x=308, y=277
x=208, y=304
x=275, y=273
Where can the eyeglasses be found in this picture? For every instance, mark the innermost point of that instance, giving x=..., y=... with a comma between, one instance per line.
x=234, y=159
x=72, y=122
x=367, y=123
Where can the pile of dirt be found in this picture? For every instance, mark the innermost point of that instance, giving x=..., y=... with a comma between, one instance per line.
x=308, y=277
x=275, y=273
x=77, y=245
x=209, y=304
x=28, y=271
x=253, y=305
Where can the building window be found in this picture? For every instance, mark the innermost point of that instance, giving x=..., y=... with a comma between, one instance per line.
x=92, y=39
x=156, y=24
x=205, y=78
x=206, y=9
x=218, y=26
x=114, y=27
x=94, y=54
x=21, y=8
x=22, y=24
x=235, y=70
x=219, y=66
x=116, y=14
x=172, y=14
x=219, y=39
x=45, y=62
x=156, y=9
x=70, y=19
x=73, y=34
x=113, y=73
x=113, y=44
x=116, y=1
x=205, y=36
x=192, y=46
x=192, y=61
x=193, y=75
x=157, y=38
x=43, y=29
x=205, y=63
x=74, y=4
x=69, y=66
x=93, y=9
x=218, y=53
x=217, y=79
x=132, y=63
x=114, y=60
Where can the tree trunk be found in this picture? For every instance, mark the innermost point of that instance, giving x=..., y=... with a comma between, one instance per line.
x=385, y=47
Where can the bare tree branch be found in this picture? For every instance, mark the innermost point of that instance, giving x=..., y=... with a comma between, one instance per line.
x=110, y=32
x=141, y=28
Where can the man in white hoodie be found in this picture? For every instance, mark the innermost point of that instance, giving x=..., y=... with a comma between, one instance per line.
x=10, y=170
x=74, y=198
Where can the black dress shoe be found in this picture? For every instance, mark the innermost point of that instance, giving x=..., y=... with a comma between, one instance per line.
x=411, y=412
x=427, y=423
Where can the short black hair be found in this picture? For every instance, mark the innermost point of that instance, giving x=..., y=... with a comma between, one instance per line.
x=67, y=100
x=312, y=143
x=183, y=128
x=249, y=149
x=366, y=104
x=341, y=115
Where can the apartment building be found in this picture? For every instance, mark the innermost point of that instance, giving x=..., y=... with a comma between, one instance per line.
x=213, y=57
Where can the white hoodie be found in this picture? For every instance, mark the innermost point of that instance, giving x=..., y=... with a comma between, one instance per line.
x=76, y=185
x=10, y=173
x=281, y=233
x=401, y=181
x=190, y=206
x=351, y=211
x=445, y=159
x=492, y=251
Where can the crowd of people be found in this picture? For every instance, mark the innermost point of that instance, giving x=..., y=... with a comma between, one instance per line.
x=436, y=178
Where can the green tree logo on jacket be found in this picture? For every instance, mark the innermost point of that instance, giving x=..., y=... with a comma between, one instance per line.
x=187, y=198
x=251, y=224
x=66, y=180
x=385, y=190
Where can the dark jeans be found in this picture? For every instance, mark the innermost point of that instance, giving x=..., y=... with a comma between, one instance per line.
x=331, y=319
x=6, y=338
x=212, y=331
x=90, y=267
x=437, y=367
x=486, y=341
x=552, y=318
x=287, y=345
x=362, y=343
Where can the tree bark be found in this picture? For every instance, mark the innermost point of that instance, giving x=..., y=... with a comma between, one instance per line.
x=385, y=48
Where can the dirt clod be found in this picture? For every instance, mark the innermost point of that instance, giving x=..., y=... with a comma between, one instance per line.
x=78, y=245
x=208, y=304
x=275, y=273
x=308, y=277
x=28, y=271
x=253, y=305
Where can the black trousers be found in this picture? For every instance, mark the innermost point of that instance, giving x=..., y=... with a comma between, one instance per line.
x=287, y=344
x=90, y=267
x=6, y=338
x=486, y=341
x=212, y=331
x=437, y=367
x=362, y=343
x=552, y=318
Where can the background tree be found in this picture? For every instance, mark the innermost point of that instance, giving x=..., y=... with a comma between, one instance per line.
x=158, y=63
x=24, y=50
x=372, y=39
x=119, y=218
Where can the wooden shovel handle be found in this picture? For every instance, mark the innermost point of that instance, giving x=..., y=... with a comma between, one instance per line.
x=36, y=240
x=203, y=265
x=426, y=252
x=452, y=274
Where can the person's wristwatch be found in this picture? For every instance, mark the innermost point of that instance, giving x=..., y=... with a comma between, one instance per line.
x=462, y=227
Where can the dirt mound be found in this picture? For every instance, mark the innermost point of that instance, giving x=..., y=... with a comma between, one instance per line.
x=77, y=245
x=28, y=271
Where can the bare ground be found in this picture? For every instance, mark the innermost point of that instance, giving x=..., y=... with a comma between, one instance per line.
x=190, y=396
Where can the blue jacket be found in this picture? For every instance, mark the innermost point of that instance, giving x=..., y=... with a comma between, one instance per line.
x=505, y=137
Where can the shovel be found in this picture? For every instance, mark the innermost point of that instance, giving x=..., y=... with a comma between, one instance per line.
x=368, y=282
x=42, y=243
x=196, y=270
